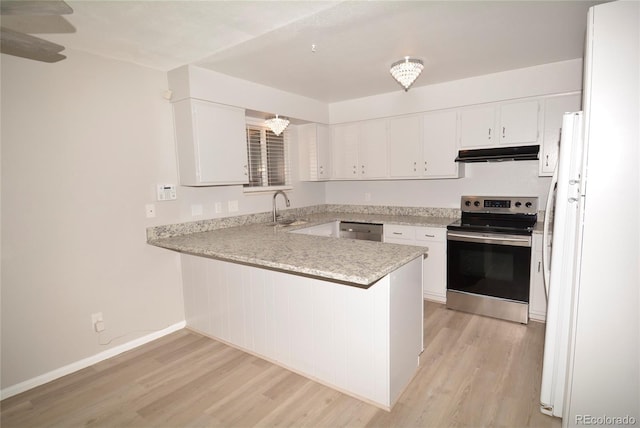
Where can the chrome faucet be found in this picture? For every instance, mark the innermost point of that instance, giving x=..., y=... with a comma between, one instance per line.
x=275, y=210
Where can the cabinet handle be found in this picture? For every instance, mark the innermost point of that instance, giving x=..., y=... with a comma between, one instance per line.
x=539, y=263
x=489, y=133
x=246, y=169
x=429, y=236
x=503, y=132
x=397, y=233
x=547, y=160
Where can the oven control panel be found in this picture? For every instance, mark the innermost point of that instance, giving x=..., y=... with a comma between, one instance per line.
x=500, y=204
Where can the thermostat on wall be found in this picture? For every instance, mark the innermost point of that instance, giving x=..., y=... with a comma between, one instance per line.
x=166, y=192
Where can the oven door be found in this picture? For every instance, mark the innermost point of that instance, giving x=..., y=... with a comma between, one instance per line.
x=489, y=264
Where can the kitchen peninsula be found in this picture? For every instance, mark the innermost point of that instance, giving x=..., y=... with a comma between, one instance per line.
x=344, y=312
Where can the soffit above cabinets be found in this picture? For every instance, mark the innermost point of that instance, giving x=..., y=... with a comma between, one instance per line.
x=355, y=42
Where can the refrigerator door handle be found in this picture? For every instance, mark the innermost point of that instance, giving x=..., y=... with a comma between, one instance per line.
x=546, y=234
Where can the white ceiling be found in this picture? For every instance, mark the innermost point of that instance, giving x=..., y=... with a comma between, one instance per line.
x=270, y=42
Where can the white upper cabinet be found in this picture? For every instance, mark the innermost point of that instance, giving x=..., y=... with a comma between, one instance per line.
x=344, y=151
x=372, y=150
x=477, y=127
x=439, y=148
x=211, y=143
x=314, y=141
x=519, y=123
x=423, y=146
x=554, y=109
x=358, y=150
x=516, y=123
x=405, y=146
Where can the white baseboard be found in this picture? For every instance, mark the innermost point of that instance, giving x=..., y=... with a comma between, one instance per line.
x=434, y=297
x=537, y=316
x=86, y=362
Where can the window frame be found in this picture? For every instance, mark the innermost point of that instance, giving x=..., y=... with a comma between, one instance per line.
x=252, y=123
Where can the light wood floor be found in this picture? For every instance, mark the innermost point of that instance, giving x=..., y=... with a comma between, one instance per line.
x=477, y=372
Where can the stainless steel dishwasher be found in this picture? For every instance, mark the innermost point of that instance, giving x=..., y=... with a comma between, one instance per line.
x=365, y=231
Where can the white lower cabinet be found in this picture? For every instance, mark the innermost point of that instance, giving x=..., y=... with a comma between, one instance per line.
x=434, y=278
x=365, y=342
x=537, y=294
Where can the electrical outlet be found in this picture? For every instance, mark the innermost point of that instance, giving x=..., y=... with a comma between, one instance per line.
x=218, y=207
x=196, y=209
x=233, y=206
x=150, y=209
x=367, y=196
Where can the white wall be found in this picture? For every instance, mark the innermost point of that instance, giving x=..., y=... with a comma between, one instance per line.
x=84, y=143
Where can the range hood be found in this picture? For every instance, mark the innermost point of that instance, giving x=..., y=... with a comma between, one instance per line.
x=499, y=154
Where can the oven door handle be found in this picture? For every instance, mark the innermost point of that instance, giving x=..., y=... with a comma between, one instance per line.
x=517, y=241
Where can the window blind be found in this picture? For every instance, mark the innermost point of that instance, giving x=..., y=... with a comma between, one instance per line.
x=267, y=153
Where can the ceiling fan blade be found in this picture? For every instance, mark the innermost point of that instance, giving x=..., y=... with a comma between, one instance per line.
x=34, y=7
x=26, y=46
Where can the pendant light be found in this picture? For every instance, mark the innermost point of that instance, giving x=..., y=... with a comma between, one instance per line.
x=277, y=124
x=406, y=71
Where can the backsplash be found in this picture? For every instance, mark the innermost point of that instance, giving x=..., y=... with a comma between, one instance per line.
x=170, y=230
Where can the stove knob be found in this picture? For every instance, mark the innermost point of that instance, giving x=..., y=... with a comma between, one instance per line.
x=518, y=204
x=468, y=203
x=476, y=203
x=528, y=204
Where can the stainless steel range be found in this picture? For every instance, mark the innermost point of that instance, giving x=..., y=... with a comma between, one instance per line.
x=489, y=256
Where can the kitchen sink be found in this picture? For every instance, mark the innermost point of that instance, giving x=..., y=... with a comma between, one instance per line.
x=288, y=222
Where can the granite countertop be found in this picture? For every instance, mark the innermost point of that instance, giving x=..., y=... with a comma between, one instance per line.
x=355, y=262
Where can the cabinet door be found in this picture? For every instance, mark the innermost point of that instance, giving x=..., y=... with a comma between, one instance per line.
x=477, y=127
x=537, y=294
x=439, y=145
x=211, y=143
x=372, y=150
x=435, y=264
x=519, y=123
x=307, y=153
x=323, y=151
x=554, y=109
x=344, y=151
x=314, y=152
x=405, y=146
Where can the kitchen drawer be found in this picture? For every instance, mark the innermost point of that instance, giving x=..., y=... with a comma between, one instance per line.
x=437, y=234
x=397, y=231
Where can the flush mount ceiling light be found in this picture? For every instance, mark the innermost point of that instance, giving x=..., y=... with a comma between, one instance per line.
x=406, y=71
x=277, y=124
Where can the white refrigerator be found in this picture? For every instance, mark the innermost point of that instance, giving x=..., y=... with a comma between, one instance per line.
x=591, y=363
